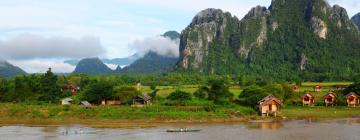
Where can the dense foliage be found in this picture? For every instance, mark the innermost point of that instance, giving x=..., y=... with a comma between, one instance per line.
x=252, y=94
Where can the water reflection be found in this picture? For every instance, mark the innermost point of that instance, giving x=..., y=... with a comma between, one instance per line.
x=307, y=129
x=266, y=125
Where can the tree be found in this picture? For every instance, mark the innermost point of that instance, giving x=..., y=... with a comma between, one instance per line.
x=98, y=91
x=202, y=92
x=219, y=91
x=49, y=90
x=126, y=94
x=154, y=91
x=179, y=97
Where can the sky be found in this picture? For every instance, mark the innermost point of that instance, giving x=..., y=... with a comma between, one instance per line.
x=38, y=34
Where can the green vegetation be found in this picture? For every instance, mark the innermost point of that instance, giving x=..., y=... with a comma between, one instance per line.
x=151, y=113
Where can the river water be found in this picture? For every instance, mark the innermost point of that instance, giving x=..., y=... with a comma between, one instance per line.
x=344, y=129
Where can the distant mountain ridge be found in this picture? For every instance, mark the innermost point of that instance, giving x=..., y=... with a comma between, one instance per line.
x=9, y=70
x=356, y=20
x=116, y=61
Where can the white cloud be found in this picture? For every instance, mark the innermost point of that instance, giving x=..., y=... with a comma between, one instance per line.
x=111, y=66
x=28, y=46
x=161, y=45
x=41, y=66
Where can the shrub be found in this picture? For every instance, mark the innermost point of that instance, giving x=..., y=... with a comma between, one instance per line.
x=126, y=94
x=202, y=92
x=178, y=98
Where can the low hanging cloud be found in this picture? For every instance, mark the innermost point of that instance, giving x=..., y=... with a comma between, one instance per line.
x=161, y=45
x=41, y=66
x=29, y=46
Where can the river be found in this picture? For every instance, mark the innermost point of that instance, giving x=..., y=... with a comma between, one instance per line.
x=342, y=129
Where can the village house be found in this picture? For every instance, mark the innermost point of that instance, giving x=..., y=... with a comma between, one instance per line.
x=142, y=100
x=352, y=99
x=66, y=101
x=317, y=88
x=111, y=102
x=85, y=104
x=330, y=99
x=269, y=105
x=308, y=99
x=72, y=88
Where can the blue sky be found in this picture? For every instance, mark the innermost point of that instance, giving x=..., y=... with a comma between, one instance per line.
x=102, y=28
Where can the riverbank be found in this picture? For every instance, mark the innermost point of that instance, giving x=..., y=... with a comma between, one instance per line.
x=125, y=116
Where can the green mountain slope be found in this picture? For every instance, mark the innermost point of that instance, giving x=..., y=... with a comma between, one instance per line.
x=9, y=70
x=290, y=40
x=92, y=66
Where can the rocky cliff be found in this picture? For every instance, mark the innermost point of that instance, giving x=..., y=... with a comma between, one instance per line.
x=290, y=39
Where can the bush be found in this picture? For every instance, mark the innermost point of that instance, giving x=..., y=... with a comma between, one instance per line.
x=219, y=91
x=126, y=94
x=179, y=97
x=202, y=92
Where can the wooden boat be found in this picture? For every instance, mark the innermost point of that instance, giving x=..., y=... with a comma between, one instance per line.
x=183, y=130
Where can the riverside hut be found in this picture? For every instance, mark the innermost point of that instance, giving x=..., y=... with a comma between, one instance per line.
x=308, y=99
x=142, y=100
x=66, y=101
x=317, y=88
x=111, y=102
x=269, y=105
x=330, y=99
x=352, y=99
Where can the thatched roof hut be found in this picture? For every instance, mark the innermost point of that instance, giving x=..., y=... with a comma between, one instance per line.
x=308, y=99
x=330, y=99
x=352, y=99
x=269, y=105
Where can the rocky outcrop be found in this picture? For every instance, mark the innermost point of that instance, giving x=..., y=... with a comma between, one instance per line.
x=207, y=25
x=280, y=38
x=319, y=27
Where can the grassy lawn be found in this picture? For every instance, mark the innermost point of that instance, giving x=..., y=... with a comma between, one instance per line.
x=151, y=113
x=319, y=112
x=324, y=84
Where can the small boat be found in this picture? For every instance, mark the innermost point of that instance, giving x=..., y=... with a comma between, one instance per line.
x=183, y=130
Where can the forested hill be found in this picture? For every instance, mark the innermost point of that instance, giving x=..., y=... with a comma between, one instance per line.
x=9, y=70
x=290, y=40
x=356, y=20
x=92, y=66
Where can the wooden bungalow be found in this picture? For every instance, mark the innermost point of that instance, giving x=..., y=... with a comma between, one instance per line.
x=330, y=99
x=111, y=102
x=269, y=105
x=308, y=99
x=142, y=100
x=353, y=99
x=317, y=88
x=66, y=101
x=71, y=88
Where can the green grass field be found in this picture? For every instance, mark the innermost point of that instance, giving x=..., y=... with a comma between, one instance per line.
x=299, y=112
x=236, y=90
